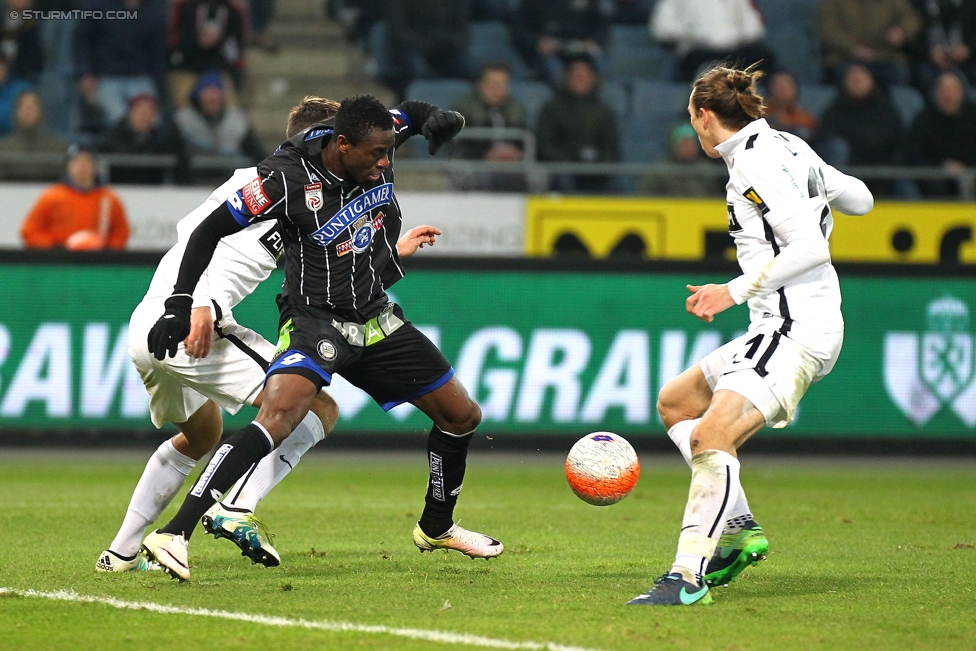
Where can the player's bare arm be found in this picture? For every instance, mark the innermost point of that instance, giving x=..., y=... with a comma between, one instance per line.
x=708, y=300
x=200, y=339
x=415, y=239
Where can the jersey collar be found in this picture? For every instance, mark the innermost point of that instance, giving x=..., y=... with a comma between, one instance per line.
x=727, y=148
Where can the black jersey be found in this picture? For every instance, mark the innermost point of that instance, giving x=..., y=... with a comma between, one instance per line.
x=340, y=236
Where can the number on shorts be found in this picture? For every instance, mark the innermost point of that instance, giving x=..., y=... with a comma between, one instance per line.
x=294, y=358
x=749, y=358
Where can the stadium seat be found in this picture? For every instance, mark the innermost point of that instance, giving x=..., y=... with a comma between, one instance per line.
x=792, y=34
x=909, y=103
x=490, y=42
x=532, y=95
x=615, y=94
x=632, y=55
x=657, y=106
x=440, y=92
x=817, y=97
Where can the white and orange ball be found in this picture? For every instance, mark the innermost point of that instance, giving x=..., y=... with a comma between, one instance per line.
x=85, y=241
x=602, y=468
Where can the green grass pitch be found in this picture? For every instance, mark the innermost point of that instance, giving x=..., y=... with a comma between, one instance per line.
x=864, y=555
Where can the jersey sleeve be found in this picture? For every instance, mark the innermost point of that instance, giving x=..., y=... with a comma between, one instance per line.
x=846, y=193
x=409, y=118
x=261, y=199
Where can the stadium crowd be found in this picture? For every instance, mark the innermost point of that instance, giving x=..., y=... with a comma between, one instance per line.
x=868, y=82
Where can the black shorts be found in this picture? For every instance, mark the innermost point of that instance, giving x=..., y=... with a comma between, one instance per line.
x=387, y=357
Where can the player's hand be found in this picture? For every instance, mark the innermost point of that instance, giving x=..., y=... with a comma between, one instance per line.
x=708, y=300
x=441, y=127
x=200, y=339
x=415, y=239
x=171, y=328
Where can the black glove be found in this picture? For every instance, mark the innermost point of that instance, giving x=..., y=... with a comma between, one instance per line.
x=441, y=127
x=172, y=327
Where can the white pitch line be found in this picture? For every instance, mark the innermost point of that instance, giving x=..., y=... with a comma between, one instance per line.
x=285, y=622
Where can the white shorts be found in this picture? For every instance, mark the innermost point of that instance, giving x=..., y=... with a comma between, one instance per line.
x=770, y=369
x=231, y=375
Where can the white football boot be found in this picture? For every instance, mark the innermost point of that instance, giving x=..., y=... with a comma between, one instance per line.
x=109, y=561
x=169, y=551
x=469, y=543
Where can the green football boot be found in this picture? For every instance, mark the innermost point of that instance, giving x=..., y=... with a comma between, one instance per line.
x=736, y=552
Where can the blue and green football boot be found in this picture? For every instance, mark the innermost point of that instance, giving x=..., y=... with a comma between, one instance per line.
x=244, y=530
x=673, y=590
x=736, y=552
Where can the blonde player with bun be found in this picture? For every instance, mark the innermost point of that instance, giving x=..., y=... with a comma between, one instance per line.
x=780, y=195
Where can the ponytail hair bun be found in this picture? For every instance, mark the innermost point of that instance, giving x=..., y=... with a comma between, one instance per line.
x=729, y=93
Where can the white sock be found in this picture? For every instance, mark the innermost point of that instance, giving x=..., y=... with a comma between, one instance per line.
x=739, y=514
x=258, y=482
x=680, y=434
x=165, y=473
x=714, y=482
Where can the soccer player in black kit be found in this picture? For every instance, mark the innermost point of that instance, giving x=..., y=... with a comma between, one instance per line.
x=331, y=189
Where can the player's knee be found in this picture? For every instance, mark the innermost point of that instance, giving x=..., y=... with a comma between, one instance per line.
x=466, y=420
x=326, y=408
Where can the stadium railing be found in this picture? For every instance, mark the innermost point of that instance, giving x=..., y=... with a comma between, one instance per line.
x=537, y=174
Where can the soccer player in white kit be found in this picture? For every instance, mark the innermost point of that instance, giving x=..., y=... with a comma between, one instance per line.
x=780, y=195
x=220, y=365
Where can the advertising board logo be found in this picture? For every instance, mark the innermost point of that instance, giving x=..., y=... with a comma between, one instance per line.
x=928, y=371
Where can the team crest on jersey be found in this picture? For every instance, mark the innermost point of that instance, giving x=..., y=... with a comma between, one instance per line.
x=926, y=372
x=362, y=237
x=313, y=196
x=326, y=350
x=254, y=196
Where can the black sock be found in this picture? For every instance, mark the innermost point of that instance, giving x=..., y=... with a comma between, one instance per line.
x=230, y=462
x=446, y=455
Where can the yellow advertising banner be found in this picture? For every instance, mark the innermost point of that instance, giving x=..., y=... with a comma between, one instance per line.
x=691, y=229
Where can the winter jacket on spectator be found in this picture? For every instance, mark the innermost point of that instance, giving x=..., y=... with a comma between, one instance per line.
x=63, y=210
x=846, y=25
x=206, y=35
x=20, y=41
x=706, y=24
x=936, y=137
x=578, y=129
x=872, y=128
x=209, y=126
x=564, y=20
x=123, y=48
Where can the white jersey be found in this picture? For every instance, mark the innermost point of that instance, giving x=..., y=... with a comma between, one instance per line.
x=779, y=199
x=240, y=263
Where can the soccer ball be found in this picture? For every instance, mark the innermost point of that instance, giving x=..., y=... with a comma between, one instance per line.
x=602, y=468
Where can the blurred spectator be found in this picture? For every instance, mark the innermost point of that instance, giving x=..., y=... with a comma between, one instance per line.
x=576, y=126
x=206, y=36
x=944, y=134
x=10, y=90
x=426, y=38
x=862, y=126
x=873, y=32
x=140, y=131
x=20, y=41
x=948, y=40
x=78, y=213
x=783, y=111
x=491, y=105
x=119, y=59
x=547, y=32
x=703, y=31
x=29, y=134
x=357, y=17
x=684, y=149
x=210, y=126
x=260, y=15
x=631, y=12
